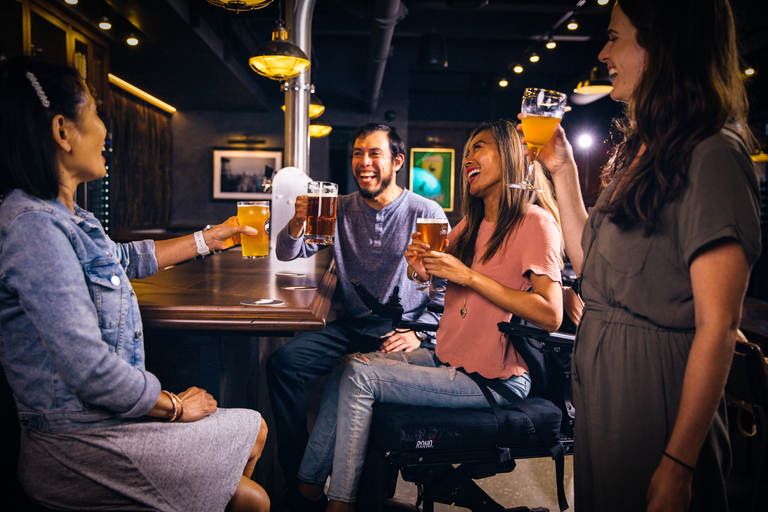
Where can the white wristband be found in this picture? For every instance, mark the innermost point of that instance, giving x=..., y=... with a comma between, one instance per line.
x=202, y=249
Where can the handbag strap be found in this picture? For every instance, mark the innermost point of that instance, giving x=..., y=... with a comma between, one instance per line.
x=543, y=430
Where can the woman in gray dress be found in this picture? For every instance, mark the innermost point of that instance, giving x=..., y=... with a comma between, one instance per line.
x=664, y=260
x=98, y=433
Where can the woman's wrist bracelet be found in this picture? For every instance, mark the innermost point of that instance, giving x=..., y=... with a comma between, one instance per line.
x=173, y=403
x=178, y=407
x=416, y=277
x=678, y=461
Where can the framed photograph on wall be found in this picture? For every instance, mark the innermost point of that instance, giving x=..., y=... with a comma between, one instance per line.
x=432, y=175
x=244, y=173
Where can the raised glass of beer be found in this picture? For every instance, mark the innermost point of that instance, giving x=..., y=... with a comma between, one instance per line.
x=256, y=215
x=434, y=232
x=321, y=212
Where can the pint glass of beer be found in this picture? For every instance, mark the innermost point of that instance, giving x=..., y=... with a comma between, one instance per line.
x=321, y=212
x=434, y=232
x=256, y=215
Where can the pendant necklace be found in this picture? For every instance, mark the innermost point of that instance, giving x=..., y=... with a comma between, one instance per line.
x=464, y=308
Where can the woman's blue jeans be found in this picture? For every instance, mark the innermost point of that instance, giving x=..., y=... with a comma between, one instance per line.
x=408, y=378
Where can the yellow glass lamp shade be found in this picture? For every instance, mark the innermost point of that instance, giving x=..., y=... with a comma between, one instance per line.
x=279, y=59
x=316, y=107
x=240, y=5
x=318, y=128
x=596, y=84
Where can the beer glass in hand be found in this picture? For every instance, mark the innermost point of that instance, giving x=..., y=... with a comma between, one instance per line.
x=321, y=212
x=256, y=215
x=542, y=110
x=434, y=232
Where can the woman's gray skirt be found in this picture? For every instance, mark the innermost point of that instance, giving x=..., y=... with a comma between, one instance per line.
x=143, y=465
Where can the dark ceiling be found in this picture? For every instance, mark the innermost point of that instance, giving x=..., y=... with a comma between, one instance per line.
x=193, y=55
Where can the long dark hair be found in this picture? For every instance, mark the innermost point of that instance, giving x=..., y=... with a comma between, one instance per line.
x=690, y=89
x=513, y=203
x=27, y=151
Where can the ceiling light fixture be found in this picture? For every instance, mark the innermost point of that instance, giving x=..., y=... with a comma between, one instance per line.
x=279, y=59
x=572, y=24
x=319, y=128
x=316, y=107
x=104, y=24
x=602, y=2
x=503, y=82
x=518, y=68
x=750, y=72
x=597, y=83
x=71, y=2
x=240, y=5
x=132, y=40
x=534, y=57
x=551, y=44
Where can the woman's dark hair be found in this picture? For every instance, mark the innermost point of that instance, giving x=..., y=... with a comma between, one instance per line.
x=690, y=89
x=396, y=144
x=513, y=202
x=27, y=152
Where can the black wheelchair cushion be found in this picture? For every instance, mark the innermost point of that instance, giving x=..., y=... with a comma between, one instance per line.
x=407, y=428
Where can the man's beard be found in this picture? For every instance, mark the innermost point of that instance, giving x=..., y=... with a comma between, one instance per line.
x=373, y=194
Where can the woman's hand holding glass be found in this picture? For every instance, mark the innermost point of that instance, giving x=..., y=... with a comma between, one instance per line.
x=556, y=154
x=227, y=234
x=427, y=263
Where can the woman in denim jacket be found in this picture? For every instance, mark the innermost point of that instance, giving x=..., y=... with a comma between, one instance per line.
x=71, y=342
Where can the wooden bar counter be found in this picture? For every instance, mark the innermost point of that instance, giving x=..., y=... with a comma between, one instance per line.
x=207, y=294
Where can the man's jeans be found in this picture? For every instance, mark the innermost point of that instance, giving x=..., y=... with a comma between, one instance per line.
x=409, y=378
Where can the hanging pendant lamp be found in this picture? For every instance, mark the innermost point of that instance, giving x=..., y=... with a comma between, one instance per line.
x=279, y=59
x=240, y=5
x=598, y=83
x=319, y=128
x=316, y=107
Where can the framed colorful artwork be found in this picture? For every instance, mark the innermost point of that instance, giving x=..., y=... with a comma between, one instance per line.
x=432, y=175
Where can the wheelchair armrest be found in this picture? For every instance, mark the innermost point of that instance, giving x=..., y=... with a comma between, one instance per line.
x=559, y=339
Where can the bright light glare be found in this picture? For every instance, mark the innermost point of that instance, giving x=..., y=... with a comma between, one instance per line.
x=534, y=58
x=584, y=141
x=503, y=82
x=518, y=69
x=572, y=25
x=551, y=44
x=602, y=2
x=749, y=72
x=132, y=41
x=71, y=2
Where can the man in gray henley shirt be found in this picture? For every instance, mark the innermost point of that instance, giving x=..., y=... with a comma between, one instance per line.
x=373, y=228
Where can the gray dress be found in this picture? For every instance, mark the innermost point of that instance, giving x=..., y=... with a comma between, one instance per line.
x=142, y=465
x=637, y=331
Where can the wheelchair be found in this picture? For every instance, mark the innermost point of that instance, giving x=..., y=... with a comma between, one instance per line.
x=443, y=450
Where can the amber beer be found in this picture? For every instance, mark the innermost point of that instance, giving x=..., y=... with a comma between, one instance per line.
x=434, y=232
x=256, y=215
x=321, y=212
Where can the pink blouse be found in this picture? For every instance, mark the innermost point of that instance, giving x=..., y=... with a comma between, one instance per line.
x=474, y=342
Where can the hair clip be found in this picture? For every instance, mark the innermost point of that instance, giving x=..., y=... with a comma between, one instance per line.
x=38, y=89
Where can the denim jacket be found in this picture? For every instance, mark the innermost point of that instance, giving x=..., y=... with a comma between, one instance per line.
x=71, y=340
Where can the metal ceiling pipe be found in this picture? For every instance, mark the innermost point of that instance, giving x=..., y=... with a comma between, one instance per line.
x=386, y=14
x=297, y=91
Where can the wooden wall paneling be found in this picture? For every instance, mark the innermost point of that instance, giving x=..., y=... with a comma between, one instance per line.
x=141, y=173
